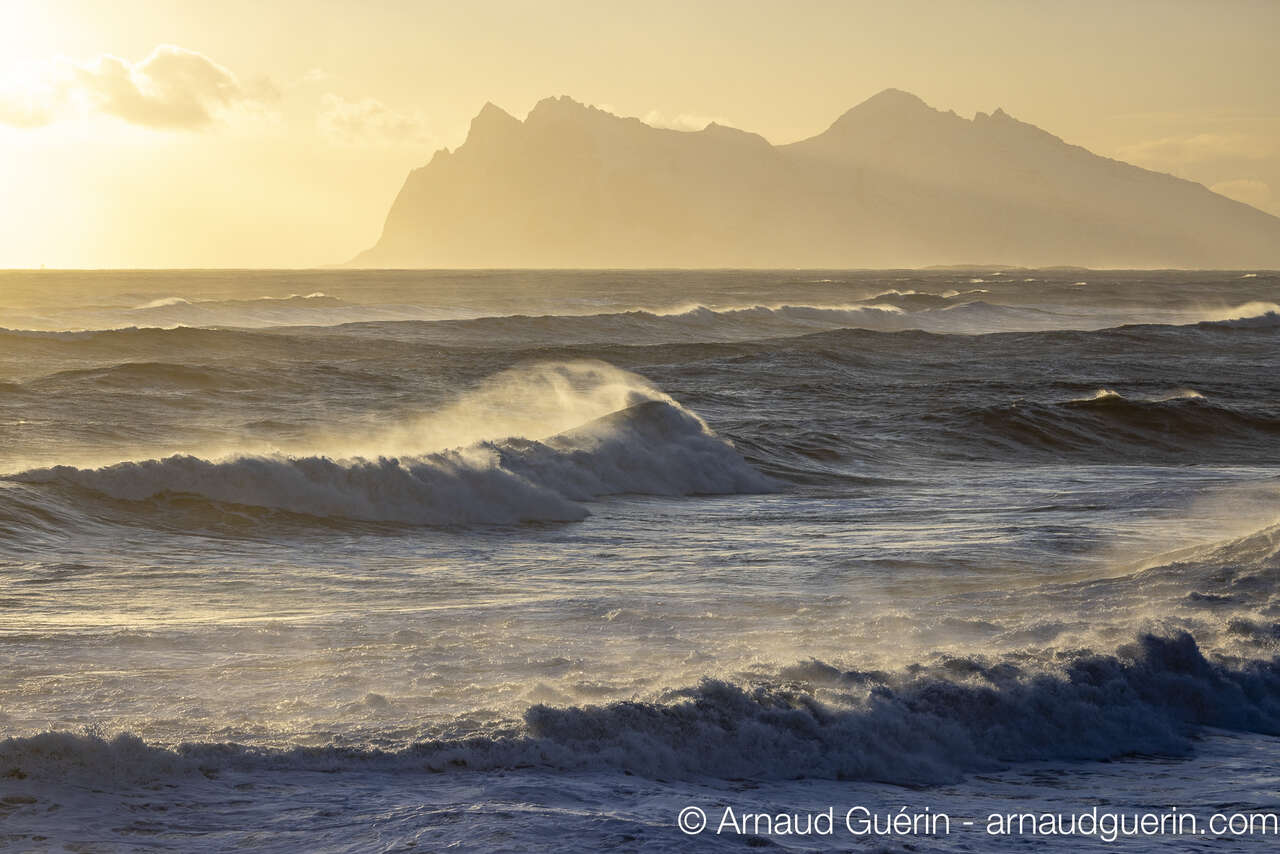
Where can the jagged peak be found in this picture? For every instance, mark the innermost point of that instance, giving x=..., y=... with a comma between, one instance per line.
x=492, y=110
x=561, y=106
x=490, y=120
x=997, y=115
x=1000, y=121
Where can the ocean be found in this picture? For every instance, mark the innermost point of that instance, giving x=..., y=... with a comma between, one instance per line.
x=344, y=561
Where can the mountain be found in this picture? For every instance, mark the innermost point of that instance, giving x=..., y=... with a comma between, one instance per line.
x=892, y=183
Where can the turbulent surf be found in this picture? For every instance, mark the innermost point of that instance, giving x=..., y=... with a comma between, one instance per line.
x=548, y=556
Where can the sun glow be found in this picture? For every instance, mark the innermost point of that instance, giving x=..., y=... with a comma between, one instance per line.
x=121, y=119
x=25, y=28
x=31, y=96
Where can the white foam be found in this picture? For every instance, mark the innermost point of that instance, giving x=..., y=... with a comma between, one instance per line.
x=165, y=302
x=930, y=726
x=1250, y=315
x=1100, y=394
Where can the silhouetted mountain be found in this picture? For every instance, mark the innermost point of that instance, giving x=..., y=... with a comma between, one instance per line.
x=893, y=182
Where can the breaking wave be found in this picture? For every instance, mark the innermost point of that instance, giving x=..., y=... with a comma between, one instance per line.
x=1268, y=318
x=924, y=724
x=645, y=444
x=921, y=726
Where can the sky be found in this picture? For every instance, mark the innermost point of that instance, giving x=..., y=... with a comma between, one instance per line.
x=276, y=133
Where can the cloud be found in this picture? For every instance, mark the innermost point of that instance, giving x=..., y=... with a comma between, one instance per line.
x=1173, y=152
x=368, y=122
x=173, y=88
x=1247, y=190
x=33, y=98
x=20, y=110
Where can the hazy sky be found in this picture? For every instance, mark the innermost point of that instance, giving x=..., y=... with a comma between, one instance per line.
x=277, y=132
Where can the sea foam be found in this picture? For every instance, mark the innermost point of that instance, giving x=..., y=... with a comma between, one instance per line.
x=934, y=726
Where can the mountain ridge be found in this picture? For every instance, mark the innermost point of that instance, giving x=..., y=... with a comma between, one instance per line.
x=892, y=182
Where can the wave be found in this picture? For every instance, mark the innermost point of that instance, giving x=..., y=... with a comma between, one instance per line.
x=703, y=324
x=1237, y=579
x=652, y=447
x=30, y=523
x=891, y=311
x=168, y=302
x=913, y=300
x=1104, y=395
x=688, y=323
x=1264, y=320
x=1108, y=425
x=133, y=340
x=314, y=309
x=925, y=725
x=149, y=375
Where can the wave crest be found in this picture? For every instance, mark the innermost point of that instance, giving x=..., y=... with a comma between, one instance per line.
x=919, y=727
x=654, y=447
x=1250, y=315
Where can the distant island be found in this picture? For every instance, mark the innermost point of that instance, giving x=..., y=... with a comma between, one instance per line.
x=892, y=183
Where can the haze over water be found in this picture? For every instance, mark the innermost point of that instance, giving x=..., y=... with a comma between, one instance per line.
x=348, y=561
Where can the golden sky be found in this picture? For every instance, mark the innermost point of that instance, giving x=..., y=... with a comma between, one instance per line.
x=161, y=133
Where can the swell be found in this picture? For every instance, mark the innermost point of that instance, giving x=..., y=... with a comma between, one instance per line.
x=689, y=324
x=316, y=308
x=1111, y=427
x=132, y=375
x=699, y=323
x=317, y=298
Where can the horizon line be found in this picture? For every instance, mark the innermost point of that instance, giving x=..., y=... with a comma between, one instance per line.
x=335, y=268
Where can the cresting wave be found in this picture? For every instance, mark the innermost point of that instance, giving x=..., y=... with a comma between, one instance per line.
x=650, y=445
x=1252, y=316
x=926, y=726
